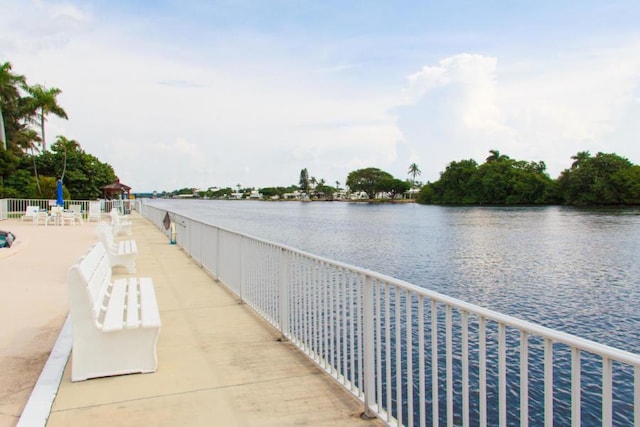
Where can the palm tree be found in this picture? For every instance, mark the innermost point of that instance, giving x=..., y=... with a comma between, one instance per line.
x=28, y=140
x=9, y=95
x=42, y=102
x=496, y=156
x=66, y=145
x=414, y=171
x=579, y=159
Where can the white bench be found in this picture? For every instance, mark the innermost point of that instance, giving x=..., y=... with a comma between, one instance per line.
x=115, y=324
x=121, y=254
x=119, y=225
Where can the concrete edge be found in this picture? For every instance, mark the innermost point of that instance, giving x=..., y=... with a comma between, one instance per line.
x=38, y=407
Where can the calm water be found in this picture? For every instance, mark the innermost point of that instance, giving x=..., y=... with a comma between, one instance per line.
x=575, y=270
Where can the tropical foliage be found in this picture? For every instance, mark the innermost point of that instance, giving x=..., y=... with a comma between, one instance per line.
x=606, y=179
x=27, y=168
x=367, y=180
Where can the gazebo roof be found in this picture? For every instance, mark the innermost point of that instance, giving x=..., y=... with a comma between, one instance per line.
x=116, y=187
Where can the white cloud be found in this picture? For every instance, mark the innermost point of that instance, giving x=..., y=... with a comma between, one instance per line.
x=38, y=25
x=466, y=105
x=164, y=123
x=237, y=106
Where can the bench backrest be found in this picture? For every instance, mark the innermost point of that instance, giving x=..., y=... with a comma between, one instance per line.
x=105, y=234
x=89, y=281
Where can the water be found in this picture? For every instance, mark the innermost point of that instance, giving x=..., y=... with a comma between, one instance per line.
x=575, y=270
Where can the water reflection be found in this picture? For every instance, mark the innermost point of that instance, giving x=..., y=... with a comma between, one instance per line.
x=575, y=270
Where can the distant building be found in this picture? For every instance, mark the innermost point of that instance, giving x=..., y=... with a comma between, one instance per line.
x=296, y=195
x=359, y=195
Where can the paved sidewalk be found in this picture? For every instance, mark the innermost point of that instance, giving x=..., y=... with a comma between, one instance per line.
x=218, y=362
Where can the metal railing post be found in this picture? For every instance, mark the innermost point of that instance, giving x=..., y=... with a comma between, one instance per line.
x=369, y=348
x=283, y=287
x=216, y=273
x=240, y=263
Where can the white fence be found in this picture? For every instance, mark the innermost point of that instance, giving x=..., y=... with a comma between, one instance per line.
x=412, y=356
x=15, y=208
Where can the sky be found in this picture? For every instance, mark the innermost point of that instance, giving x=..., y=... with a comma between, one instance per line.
x=195, y=94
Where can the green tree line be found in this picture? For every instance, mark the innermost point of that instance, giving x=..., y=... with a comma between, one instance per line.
x=27, y=168
x=603, y=179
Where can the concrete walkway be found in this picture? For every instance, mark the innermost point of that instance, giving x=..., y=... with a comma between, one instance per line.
x=218, y=363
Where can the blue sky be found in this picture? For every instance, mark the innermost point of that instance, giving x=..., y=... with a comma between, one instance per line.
x=191, y=93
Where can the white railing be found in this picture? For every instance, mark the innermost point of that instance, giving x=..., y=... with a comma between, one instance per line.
x=15, y=208
x=412, y=356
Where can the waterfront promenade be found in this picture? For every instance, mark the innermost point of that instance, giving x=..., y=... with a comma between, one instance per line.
x=218, y=362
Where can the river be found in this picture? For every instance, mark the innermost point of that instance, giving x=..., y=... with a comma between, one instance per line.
x=575, y=270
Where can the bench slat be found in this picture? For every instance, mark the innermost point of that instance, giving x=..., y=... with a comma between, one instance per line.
x=115, y=309
x=133, y=320
x=148, y=304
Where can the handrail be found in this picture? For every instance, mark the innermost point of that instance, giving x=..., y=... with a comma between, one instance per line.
x=412, y=355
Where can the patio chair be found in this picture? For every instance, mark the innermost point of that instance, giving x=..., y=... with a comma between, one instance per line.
x=31, y=213
x=77, y=213
x=94, y=211
x=42, y=217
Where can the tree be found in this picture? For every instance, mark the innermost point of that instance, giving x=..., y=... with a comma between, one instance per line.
x=10, y=85
x=366, y=180
x=605, y=179
x=65, y=146
x=414, y=171
x=500, y=180
x=313, y=183
x=392, y=186
x=43, y=102
x=495, y=156
x=580, y=158
x=457, y=184
x=304, y=181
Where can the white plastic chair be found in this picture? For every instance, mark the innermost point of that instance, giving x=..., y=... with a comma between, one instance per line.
x=31, y=213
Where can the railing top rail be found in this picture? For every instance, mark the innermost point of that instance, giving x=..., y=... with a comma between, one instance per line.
x=523, y=325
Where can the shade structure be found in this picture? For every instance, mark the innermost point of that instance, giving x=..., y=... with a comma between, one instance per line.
x=117, y=190
x=60, y=199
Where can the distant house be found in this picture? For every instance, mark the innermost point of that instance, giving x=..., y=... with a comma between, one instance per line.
x=236, y=195
x=412, y=193
x=340, y=195
x=296, y=195
x=358, y=195
x=255, y=194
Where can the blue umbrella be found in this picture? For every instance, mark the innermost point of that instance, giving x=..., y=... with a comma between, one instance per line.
x=60, y=200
